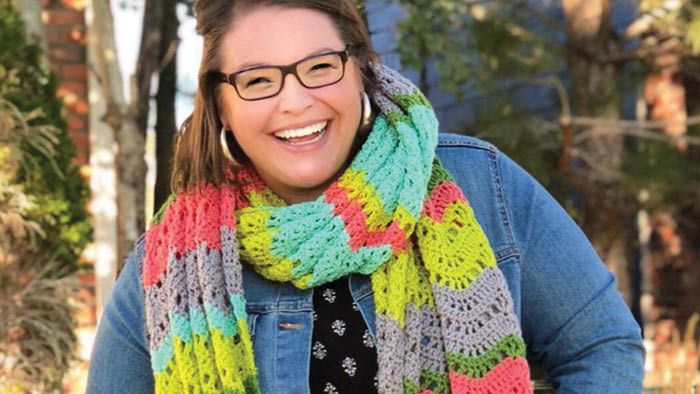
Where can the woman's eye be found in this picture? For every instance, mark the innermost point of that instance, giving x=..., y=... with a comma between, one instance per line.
x=320, y=66
x=257, y=81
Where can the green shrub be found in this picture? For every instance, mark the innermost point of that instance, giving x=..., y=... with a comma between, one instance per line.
x=59, y=190
x=43, y=223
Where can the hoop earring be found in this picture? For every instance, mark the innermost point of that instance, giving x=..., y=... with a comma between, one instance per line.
x=224, y=148
x=366, y=111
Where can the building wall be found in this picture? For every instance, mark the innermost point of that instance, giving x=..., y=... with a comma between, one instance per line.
x=382, y=17
x=64, y=23
x=455, y=115
x=65, y=39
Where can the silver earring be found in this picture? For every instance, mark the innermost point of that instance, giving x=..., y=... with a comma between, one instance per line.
x=366, y=111
x=225, y=149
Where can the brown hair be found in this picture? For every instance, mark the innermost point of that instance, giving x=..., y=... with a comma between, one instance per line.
x=198, y=154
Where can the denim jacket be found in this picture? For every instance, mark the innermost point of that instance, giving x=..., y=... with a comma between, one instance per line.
x=574, y=321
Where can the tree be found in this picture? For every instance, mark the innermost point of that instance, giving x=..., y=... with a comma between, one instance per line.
x=43, y=223
x=165, y=127
x=121, y=116
x=129, y=118
x=577, y=139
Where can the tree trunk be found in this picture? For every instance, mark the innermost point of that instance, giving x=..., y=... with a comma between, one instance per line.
x=148, y=62
x=596, y=94
x=106, y=113
x=595, y=88
x=131, y=167
x=166, y=127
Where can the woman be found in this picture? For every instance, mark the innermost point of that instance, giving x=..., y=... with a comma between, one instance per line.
x=322, y=238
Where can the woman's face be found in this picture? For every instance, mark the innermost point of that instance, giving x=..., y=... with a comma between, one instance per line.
x=301, y=168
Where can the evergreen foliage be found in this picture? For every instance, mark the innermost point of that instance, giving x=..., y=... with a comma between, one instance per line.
x=43, y=223
x=51, y=177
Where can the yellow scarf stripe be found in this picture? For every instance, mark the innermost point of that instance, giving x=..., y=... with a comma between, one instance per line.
x=455, y=251
x=255, y=244
x=399, y=282
x=187, y=373
x=265, y=197
x=359, y=189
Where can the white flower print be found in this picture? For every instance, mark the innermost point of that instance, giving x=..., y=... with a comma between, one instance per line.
x=329, y=295
x=354, y=306
x=349, y=366
x=315, y=315
x=330, y=389
x=319, y=351
x=367, y=339
x=338, y=327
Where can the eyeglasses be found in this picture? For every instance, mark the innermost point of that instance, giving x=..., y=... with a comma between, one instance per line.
x=267, y=81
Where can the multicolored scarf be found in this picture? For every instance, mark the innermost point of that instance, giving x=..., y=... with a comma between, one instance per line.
x=444, y=317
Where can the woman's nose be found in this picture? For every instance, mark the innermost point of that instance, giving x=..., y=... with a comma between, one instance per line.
x=294, y=97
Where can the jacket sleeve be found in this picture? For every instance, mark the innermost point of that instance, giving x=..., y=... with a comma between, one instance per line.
x=120, y=360
x=574, y=319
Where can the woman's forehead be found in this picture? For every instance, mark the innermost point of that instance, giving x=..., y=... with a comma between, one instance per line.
x=276, y=35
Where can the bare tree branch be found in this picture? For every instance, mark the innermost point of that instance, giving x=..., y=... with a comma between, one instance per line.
x=604, y=173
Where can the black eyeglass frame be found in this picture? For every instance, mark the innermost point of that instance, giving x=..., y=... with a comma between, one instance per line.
x=288, y=69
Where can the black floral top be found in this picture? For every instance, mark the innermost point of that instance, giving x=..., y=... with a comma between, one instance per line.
x=343, y=355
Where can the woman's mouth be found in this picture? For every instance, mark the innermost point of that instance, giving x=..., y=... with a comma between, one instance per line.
x=305, y=135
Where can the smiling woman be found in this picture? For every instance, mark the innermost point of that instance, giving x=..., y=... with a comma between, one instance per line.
x=322, y=87
x=324, y=238
x=328, y=54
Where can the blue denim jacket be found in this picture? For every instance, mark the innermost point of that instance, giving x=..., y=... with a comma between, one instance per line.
x=574, y=321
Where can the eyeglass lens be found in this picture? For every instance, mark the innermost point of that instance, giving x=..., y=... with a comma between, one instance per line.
x=267, y=81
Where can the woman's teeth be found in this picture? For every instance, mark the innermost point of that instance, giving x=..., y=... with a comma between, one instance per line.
x=304, y=135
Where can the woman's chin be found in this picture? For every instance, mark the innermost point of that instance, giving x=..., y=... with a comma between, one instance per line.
x=306, y=185
x=310, y=181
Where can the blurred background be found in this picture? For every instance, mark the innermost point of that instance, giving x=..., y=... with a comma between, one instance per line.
x=598, y=99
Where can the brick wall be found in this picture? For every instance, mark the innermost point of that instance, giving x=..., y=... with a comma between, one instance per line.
x=64, y=22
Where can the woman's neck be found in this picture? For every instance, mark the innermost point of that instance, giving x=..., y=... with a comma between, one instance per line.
x=294, y=195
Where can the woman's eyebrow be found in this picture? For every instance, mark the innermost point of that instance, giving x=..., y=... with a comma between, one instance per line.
x=259, y=64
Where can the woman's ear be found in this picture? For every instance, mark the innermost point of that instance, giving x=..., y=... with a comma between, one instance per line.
x=224, y=96
x=360, y=74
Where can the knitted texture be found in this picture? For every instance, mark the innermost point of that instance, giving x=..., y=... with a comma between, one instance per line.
x=444, y=317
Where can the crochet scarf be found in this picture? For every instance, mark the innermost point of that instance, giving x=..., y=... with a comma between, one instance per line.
x=444, y=316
